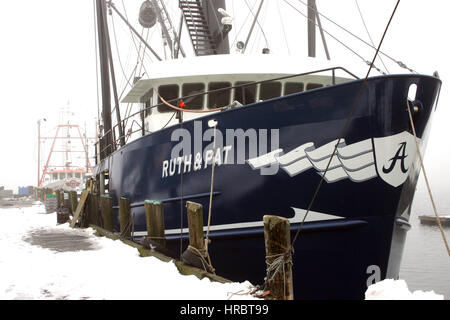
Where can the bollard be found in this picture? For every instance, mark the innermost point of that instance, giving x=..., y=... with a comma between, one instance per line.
x=124, y=217
x=154, y=216
x=277, y=237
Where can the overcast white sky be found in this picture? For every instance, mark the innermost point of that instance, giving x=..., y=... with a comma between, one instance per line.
x=47, y=61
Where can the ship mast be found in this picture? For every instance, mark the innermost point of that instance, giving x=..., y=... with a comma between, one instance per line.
x=106, y=144
x=313, y=20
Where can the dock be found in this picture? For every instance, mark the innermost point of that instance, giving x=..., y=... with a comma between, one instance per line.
x=431, y=220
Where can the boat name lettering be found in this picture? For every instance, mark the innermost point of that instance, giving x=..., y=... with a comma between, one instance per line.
x=190, y=163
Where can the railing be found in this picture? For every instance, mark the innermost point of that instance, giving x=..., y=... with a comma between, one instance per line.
x=106, y=148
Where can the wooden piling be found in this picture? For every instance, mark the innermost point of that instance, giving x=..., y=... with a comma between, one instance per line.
x=124, y=217
x=106, y=211
x=154, y=216
x=277, y=239
x=195, y=223
x=58, y=199
x=93, y=210
x=66, y=202
x=73, y=197
x=196, y=254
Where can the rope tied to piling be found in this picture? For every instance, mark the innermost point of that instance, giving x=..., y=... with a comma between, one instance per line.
x=203, y=255
x=280, y=263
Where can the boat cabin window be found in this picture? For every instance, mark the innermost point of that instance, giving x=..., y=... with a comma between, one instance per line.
x=77, y=175
x=245, y=95
x=54, y=176
x=191, y=89
x=311, y=86
x=270, y=90
x=69, y=175
x=62, y=175
x=220, y=98
x=293, y=87
x=168, y=92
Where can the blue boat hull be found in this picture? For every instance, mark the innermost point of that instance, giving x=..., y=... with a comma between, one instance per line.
x=362, y=215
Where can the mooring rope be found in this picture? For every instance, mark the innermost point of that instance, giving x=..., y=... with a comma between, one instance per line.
x=426, y=178
x=204, y=258
x=279, y=264
x=211, y=195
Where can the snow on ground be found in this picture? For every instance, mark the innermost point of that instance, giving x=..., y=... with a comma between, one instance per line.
x=398, y=290
x=32, y=272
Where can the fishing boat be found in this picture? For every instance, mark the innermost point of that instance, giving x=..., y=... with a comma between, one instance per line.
x=67, y=164
x=251, y=135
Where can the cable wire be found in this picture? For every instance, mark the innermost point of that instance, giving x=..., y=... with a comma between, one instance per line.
x=344, y=129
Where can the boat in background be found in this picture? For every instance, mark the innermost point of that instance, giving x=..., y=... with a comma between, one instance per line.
x=275, y=130
x=70, y=171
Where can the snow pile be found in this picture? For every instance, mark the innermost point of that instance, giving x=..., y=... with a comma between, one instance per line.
x=112, y=270
x=398, y=290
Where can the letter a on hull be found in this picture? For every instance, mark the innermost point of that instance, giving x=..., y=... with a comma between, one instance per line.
x=394, y=157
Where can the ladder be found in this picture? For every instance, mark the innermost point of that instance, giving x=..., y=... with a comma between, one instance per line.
x=198, y=28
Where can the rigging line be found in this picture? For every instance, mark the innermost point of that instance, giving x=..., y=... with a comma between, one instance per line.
x=117, y=50
x=425, y=176
x=401, y=64
x=131, y=28
x=132, y=34
x=242, y=27
x=182, y=193
x=96, y=61
x=336, y=39
x=143, y=55
x=257, y=22
x=130, y=106
x=133, y=74
x=368, y=33
x=347, y=123
x=282, y=26
x=263, y=22
x=173, y=115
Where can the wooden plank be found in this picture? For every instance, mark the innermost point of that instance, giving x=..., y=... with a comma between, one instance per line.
x=80, y=207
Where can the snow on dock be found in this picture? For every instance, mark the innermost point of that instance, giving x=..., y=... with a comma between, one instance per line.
x=40, y=260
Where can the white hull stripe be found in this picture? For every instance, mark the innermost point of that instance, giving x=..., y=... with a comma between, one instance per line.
x=298, y=218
